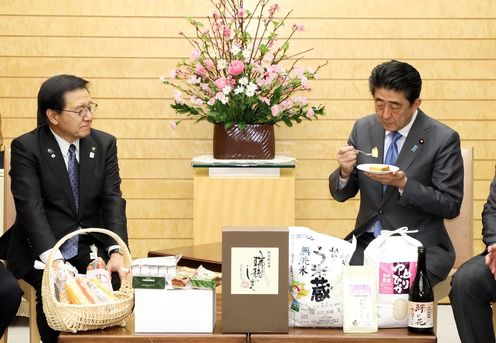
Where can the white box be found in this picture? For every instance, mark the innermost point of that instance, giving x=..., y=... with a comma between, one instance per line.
x=174, y=310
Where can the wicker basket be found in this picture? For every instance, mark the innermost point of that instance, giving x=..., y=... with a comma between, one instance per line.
x=72, y=318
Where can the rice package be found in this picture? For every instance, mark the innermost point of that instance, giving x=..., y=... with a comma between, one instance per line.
x=315, y=278
x=359, y=299
x=393, y=254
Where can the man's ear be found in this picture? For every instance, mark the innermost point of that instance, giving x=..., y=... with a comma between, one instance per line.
x=417, y=103
x=52, y=116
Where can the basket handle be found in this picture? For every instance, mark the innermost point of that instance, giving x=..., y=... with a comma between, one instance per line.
x=47, y=273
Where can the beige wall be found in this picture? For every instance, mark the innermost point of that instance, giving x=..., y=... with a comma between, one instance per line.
x=123, y=47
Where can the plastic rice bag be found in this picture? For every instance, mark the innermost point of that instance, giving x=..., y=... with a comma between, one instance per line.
x=315, y=278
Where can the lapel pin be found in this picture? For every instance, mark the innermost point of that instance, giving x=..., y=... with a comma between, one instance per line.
x=50, y=152
x=421, y=141
x=414, y=148
x=92, y=153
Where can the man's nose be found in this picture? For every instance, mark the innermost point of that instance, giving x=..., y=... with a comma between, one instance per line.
x=88, y=116
x=386, y=112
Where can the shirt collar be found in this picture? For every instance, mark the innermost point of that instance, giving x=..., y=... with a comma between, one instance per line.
x=404, y=131
x=64, y=145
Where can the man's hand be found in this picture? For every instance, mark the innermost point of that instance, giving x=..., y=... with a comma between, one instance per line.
x=491, y=259
x=346, y=158
x=397, y=179
x=116, y=264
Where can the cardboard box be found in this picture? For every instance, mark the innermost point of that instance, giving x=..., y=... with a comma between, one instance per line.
x=254, y=279
x=174, y=310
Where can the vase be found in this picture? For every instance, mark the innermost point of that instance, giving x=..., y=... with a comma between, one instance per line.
x=254, y=142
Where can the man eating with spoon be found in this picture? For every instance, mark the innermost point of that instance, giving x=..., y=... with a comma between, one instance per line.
x=428, y=185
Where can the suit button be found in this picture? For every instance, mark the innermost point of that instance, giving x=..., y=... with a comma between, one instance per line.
x=381, y=211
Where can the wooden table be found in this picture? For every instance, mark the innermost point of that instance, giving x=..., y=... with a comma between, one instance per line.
x=208, y=255
x=295, y=335
x=310, y=335
x=127, y=334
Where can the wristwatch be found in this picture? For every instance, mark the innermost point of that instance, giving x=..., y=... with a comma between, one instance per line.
x=115, y=251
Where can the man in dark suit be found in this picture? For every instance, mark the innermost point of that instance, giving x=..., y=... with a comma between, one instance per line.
x=65, y=176
x=473, y=287
x=10, y=298
x=427, y=188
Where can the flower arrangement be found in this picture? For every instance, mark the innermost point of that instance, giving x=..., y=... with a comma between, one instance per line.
x=240, y=71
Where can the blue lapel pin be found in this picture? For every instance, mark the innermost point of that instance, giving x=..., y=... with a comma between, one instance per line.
x=414, y=148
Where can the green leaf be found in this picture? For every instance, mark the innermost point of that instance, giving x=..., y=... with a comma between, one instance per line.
x=246, y=37
x=276, y=97
x=287, y=121
x=263, y=49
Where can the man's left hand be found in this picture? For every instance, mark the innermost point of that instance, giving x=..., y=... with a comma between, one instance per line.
x=491, y=259
x=116, y=264
x=397, y=179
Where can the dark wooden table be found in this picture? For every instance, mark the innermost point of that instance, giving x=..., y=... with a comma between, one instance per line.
x=311, y=335
x=208, y=255
x=127, y=334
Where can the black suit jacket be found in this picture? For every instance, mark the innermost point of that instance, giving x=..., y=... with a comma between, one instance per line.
x=45, y=206
x=489, y=216
x=432, y=161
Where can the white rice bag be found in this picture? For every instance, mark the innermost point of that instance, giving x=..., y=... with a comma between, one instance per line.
x=393, y=254
x=315, y=278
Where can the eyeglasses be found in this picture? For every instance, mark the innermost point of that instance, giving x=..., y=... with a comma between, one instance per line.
x=84, y=111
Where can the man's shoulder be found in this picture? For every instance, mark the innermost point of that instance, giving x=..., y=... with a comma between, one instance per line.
x=436, y=124
x=28, y=137
x=368, y=120
x=102, y=136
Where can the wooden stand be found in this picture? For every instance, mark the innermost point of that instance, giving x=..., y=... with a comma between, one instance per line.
x=241, y=201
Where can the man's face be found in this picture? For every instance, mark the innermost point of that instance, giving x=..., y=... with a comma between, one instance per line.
x=393, y=109
x=70, y=125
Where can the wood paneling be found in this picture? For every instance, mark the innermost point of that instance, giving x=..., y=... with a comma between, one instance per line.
x=159, y=228
x=302, y=8
x=322, y=89
x=160, y=27
x=116, y=47
x=152, y=68
x=337, y=109
x=124, y=46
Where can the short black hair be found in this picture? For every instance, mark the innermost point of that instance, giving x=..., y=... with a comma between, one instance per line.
x=397, y=76
x=51, y=94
